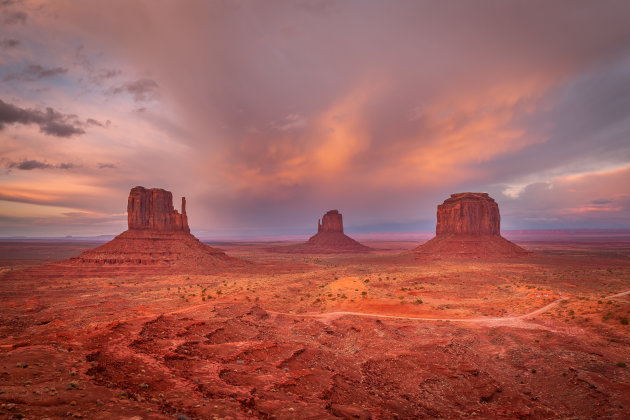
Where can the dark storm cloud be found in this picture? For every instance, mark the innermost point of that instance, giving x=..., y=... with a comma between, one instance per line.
x=9, y=43
x=27, y=165
x=378, y=108
x=318, y=102
x=50, y=122
x=582, y=122
x=30, y=164
x=140, y=90
x=35, y=72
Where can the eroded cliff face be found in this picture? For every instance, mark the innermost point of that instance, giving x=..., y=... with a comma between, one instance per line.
x=468, y=214
x=469, y=227
x=331, y=222
x=158, y=235
x=153, y=209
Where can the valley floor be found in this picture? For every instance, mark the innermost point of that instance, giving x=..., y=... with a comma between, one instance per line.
x=380, y=335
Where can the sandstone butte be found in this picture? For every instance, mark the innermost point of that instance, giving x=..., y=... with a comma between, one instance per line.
x=469, y=226
x=329, y=238
x=157, y=235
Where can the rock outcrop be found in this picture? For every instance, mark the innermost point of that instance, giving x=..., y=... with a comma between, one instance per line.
x=329, y=239
x=331, y=222
x=469, y=226
x=157, y=235
x=152, y=209
x=468, y=214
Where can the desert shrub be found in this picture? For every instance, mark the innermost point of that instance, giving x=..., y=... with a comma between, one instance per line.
x=621, y=364
x=624, y=321
x=418, y=301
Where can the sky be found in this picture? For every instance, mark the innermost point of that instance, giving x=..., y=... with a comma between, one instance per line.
x=267, y=114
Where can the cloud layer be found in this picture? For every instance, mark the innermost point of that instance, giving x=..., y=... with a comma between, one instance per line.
x=49, y=121
x=267, y=114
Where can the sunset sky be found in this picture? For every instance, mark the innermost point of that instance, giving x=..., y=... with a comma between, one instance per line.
x=266, y=114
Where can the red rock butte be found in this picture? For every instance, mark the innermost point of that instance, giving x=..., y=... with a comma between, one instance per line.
x=329, y=238
x=152, y=209
x=469, y=226
x=158, y=235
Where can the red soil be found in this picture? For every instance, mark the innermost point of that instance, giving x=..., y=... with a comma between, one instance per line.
x=270, y=339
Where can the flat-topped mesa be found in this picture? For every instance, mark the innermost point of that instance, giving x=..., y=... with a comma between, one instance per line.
x=469, y=227
x=331, y=222
x=468, y=214
x=152, y=209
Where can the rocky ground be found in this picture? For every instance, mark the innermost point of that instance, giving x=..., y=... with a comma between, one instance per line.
x=379, y=335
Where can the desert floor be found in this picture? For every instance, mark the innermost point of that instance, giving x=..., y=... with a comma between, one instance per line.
x=381, y=335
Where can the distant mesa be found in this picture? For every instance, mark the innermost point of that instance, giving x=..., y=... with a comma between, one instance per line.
x=329, y=238
x=158, y=235
x=469, y=226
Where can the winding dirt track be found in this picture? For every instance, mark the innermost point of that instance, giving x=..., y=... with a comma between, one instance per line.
x=331, y=316
x=488, y=321
x=492, y=321
x=627, y=292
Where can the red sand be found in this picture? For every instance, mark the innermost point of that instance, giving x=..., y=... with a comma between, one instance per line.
x=539, y=336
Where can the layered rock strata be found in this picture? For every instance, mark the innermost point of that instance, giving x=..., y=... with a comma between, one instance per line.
x=469, y=226
x=157, y=235
x=152, y=209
